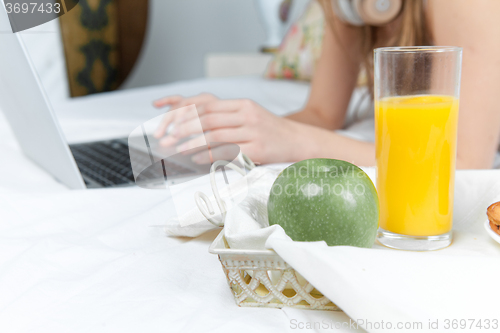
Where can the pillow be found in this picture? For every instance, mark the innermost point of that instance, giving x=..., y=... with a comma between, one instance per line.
x=301, y=48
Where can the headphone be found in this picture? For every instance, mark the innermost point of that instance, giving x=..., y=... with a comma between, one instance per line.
x=366, y=12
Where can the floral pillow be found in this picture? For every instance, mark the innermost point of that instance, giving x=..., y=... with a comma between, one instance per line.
x=301, y=48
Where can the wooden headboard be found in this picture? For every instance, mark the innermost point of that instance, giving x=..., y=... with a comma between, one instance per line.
x=102, y=41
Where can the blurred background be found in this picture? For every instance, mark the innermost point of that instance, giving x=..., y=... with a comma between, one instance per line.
x=171, y=40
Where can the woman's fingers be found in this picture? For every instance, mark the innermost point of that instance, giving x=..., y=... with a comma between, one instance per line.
x=165, y=122
x=196, y=100
x=198, y=141
x=177, y=102
x=168, y=141
x=234, y=135
x=213, y=115
x=215, y=107
x=226, y=151
x=210, y=107
x=207, y=122
x=169, y=100
x=175, y=117
x=226, y=105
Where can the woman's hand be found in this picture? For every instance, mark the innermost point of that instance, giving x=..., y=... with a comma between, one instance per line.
x=262, y=136
x=177, y=102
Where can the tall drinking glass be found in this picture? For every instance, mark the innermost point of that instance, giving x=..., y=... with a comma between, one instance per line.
x=416, y=113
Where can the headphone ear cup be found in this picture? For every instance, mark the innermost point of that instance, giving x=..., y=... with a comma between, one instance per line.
x=345, y=12
x=377, y=12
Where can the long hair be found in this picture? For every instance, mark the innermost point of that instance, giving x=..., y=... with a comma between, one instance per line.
x=412, y=31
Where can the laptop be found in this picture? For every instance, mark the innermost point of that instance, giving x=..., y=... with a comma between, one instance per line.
x=79, y=166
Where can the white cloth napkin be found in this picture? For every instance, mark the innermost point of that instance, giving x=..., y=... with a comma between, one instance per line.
x=252, y=191
x=246, y=225
x=379, y=287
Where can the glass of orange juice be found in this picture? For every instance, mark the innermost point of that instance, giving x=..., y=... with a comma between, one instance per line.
x=416, y=113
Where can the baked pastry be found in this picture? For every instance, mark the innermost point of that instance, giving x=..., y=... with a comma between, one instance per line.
x=493, y=213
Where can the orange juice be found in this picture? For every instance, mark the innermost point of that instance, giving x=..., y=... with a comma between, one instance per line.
x=416, y=153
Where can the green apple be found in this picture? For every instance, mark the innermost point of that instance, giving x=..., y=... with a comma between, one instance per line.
x=325, y=199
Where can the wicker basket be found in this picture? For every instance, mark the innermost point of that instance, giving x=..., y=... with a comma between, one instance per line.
x=249, y=272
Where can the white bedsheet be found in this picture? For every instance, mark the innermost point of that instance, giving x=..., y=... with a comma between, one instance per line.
x=99, y=261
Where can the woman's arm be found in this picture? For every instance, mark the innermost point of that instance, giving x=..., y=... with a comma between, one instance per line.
x=314, y=142
x=267, y=138
x=471, y=25
x=264, y=137
x=474, y=26
x=334, y=78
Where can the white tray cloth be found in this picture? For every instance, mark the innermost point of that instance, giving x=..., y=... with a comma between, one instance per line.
x=379, y=284
x=407, y=287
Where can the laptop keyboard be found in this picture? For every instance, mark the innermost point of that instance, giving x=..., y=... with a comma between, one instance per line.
x=108, y=163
